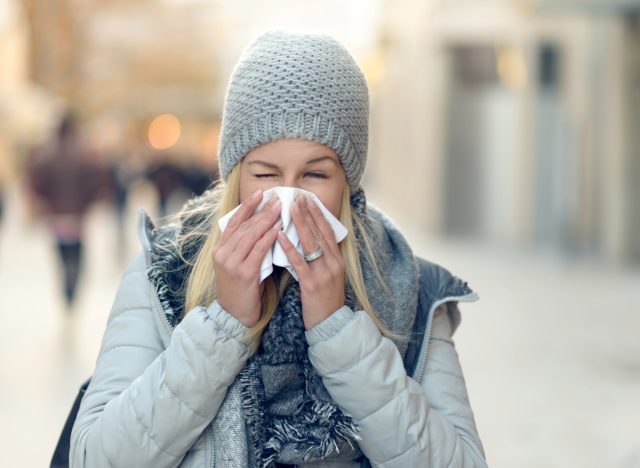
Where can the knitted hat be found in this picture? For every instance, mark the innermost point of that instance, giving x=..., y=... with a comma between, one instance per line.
x=296, y=86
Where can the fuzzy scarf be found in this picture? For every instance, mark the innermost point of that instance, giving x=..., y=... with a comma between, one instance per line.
x=289, y=416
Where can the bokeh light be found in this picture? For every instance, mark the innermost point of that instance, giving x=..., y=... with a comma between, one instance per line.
x=164, y=131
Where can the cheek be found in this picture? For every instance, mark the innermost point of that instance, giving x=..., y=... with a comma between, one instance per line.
x=247, y=187
x=249, y=184
x=334, y=206
x=331, y=200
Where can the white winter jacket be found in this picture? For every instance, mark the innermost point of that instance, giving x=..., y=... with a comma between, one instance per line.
x=156, y=389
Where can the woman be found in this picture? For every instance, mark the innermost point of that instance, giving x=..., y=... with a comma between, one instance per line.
x=351, y=364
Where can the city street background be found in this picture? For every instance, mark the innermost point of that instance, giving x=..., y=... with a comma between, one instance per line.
x=503, y=141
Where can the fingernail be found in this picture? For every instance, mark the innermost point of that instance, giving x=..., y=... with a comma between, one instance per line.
x=276, y=204
x=257, y=193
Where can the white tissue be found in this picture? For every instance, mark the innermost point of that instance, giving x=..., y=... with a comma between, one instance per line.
x=276, y=255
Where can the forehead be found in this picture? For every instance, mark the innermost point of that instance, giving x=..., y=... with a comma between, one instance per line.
x=291, y=151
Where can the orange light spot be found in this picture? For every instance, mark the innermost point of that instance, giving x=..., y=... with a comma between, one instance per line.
x=164, y=131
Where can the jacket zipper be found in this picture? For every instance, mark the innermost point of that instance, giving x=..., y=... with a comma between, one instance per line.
x=161, y=311
x=211, y=445
x=422, y=361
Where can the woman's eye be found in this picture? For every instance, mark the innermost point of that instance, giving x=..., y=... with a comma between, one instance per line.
x=317, y=174
x=264, y=175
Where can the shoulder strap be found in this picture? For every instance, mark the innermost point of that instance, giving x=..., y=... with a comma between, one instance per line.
x=60, y=457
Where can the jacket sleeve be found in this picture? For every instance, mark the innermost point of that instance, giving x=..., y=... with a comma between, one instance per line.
x=402, y=423
x=146, y=406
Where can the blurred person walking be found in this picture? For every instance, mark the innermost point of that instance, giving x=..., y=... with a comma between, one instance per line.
x=166, y=177
x=124, y=171
x=2, y=196
x=177, y=181
x=6, y=173
x=64, y=177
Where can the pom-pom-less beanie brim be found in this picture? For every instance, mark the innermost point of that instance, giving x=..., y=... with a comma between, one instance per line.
x=296, y=86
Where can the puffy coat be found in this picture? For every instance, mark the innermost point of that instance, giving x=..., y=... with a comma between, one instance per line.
x=156, y=389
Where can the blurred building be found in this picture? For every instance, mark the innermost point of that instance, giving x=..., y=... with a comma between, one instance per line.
x=26, y=109
x=513, y=121
x=120, y=64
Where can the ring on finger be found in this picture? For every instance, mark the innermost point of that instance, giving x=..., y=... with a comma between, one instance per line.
x=313, y=255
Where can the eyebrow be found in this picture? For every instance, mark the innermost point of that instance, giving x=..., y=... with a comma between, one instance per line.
x=311, y=161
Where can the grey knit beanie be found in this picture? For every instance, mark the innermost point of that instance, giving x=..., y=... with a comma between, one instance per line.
x=305, y=86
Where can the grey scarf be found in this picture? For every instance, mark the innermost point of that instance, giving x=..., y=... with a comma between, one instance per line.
x=289, y=416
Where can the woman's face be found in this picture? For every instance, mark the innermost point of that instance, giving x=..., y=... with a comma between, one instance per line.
x=294, y=163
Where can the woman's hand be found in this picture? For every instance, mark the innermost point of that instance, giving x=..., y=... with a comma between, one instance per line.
x=322, y=279
x=239, y=254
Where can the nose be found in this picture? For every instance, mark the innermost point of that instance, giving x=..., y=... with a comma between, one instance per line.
x=291, y=181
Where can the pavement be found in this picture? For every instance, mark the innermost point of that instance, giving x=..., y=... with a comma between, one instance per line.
x=550, y=352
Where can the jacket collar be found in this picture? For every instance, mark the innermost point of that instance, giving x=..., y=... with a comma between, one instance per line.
x=437, y=286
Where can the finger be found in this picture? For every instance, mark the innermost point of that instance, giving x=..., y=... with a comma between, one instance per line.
x=307, y=238
x=299, y=264
x=304, y=208
x=328, y=238
x=229, y=255
x=245, y=211
x=248, y=227
x=256, y=255
x=256, y=227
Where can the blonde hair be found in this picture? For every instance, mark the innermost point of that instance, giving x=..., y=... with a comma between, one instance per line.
x=200, y=288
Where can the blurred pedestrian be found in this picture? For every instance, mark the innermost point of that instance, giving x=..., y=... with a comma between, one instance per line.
x=124, y=171
x=197, y=179
x=166, y=177
x=6, y=175
x=221, y=353
x=2, y=202
x=65, y=177
x=2, y=190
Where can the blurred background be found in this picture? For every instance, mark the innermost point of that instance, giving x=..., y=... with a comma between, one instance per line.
x=504, y=141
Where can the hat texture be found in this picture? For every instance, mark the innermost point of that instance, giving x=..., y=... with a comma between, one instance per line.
x=288, y=85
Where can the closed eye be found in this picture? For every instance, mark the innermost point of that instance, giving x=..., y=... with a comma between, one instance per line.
x=317, y=174
x=261, y=176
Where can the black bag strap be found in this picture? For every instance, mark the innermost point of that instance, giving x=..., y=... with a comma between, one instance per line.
x=60, y=457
